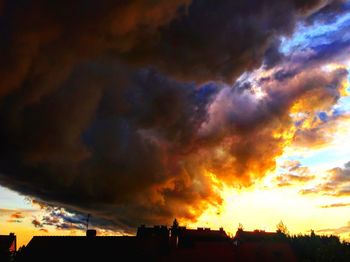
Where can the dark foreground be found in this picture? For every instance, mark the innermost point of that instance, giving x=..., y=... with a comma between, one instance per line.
x=161, y=243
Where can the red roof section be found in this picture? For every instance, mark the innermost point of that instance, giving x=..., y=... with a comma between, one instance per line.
x=8, y=243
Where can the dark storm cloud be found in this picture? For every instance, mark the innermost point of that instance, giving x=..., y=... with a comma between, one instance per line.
x=128, y=152
x=220, y=39
x=322, y=46
x=272, y=55
x=104, y=109
x=329, y=12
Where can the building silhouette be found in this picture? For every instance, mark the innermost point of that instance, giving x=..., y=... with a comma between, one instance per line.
x=201, y=244
x=8, y=246
x=262, y=246
x=161, y=243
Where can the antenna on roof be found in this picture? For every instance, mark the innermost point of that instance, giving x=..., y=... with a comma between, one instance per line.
x=87, y=222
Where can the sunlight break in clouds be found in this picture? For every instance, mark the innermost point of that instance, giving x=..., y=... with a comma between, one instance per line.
x=140, y=112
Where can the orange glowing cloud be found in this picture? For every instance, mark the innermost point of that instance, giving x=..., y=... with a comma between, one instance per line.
x=137, y=112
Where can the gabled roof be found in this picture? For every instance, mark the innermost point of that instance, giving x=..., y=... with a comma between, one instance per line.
x=155, y=231
x=256, y=235
x=99, y=248
x=78, y=243
x=203, y=234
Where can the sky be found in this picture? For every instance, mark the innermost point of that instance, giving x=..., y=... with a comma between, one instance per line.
x=217, y=113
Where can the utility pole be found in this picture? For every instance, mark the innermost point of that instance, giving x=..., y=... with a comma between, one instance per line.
x=87, y=222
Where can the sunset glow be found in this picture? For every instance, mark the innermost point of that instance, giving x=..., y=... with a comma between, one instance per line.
x=138, y=113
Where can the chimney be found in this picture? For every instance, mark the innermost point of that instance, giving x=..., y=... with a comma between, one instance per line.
x=13, y=247
x=91, y=233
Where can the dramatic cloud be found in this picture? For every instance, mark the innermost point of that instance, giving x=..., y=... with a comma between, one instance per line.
x=60, y=219
x=293, y=173
x=220, y=39
x=138, y=111
x=337, y=183
x=37, y=223
x=15, y=215
x=291, y=179
x=340, y=230
x=336, y=205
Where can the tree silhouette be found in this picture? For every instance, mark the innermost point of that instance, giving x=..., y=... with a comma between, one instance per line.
x=282, y=228
x=175, y=224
